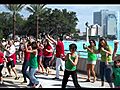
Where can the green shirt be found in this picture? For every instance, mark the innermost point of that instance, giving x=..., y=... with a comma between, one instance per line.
x=69, y=66
x=116, y=79
x=105, y=58
x=33, y=61
x=92, y=56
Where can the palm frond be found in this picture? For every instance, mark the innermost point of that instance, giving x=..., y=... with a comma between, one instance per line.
x=30, y=9
x=14, y=7
x=36, y=8
x=20, y=7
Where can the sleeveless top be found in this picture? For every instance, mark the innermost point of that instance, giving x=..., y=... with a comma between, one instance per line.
x=33, y=61
x=116, y=80
x=69, y=66
x=92, y=56
x=105, y=58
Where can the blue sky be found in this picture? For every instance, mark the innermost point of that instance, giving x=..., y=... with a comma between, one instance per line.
x=84, y=12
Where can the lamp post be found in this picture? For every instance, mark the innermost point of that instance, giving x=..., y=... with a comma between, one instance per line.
x=87, y=28
x=118, y=26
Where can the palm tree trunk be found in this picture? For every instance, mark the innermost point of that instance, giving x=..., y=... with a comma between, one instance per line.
x=37, y=17
x=14, y=25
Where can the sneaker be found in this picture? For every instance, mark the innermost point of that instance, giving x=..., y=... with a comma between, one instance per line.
x=30, y=84
x=16, y=78
x=55, y=78
x=38, y=85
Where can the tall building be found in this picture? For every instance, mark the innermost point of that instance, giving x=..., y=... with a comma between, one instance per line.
x=107, y=20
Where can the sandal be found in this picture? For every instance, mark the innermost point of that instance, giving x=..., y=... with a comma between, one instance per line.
x=87, y=80
x=16, y=78
x=94, y=80
x=9, y=76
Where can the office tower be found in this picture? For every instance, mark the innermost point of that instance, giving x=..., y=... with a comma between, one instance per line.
x=107, y=21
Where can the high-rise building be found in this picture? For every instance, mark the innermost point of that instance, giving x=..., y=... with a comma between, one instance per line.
x=107, y=21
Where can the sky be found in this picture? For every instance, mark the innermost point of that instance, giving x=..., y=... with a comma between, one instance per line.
x=84, y=12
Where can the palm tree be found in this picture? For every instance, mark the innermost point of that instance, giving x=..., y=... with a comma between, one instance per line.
x=14, y=9
x=37, y=10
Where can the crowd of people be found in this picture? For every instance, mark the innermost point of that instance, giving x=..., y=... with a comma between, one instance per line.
x=37, y=56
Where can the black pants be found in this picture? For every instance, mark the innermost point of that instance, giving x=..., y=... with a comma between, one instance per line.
x=74, y=77
x=1, y=67
x=46, y=62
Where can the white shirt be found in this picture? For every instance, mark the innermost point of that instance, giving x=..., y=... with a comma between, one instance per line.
x=12, y=50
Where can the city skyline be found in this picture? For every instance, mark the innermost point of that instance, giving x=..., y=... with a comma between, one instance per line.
x=84, y=12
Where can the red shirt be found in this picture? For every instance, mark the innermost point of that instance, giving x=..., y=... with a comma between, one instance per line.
x=59, y=49
x=1, y=57
x=45, y=53
x=27, y=55
x=40, y=52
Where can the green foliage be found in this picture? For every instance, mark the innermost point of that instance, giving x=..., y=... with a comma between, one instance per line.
x=76, y=36
x=50, y=21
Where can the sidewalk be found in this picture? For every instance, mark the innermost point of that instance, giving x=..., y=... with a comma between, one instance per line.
x=47, y=81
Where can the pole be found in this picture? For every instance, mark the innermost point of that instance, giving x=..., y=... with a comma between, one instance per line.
x=118, y=26
x=87, y=38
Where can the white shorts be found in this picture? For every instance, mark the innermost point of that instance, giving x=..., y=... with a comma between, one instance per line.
x=91, y=62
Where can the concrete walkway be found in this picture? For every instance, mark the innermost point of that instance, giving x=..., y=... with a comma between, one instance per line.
x=47, y=81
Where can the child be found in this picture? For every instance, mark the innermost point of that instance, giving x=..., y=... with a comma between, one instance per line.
x=116, y=73
x=71, y=61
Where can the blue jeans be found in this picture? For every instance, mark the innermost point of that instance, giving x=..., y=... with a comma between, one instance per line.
x=31, y=75
x=24, y=69
x=105, y=71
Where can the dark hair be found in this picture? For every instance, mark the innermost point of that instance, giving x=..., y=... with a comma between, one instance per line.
x=29, y=44
x=92, y=41
x=115, y=63
x=34, y=45
x=73, y=46
x=99, y=45
x=61, y=38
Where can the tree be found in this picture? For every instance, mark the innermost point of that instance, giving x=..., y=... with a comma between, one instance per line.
x=14, y=9
x=54, y=22
x=36, y=9
x=6, y=24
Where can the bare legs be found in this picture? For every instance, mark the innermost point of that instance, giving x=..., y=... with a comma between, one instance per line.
x=91, y=69
x=41, y=66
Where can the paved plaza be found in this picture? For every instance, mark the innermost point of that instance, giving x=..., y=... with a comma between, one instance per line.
x=47, y=81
